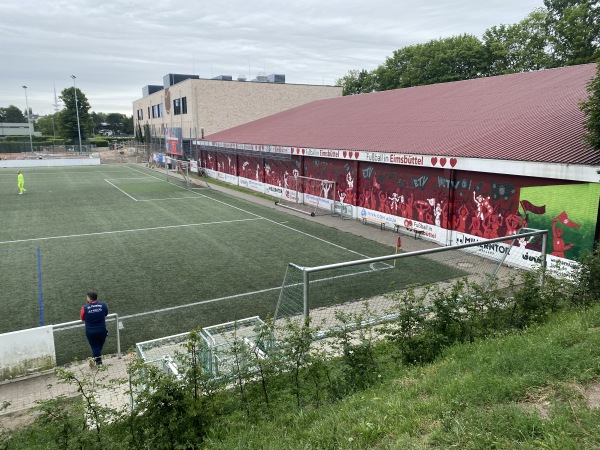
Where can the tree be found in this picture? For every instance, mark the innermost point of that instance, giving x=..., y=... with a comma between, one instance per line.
x=438, y=61
x=12, y=114
x=357, y=82
x=591, y=108
x=115, y=122
x=127, y=125
x=519, y=47
x=67, y=122
x=47, y=125
x=566, y=32
x=574, y=27
x=98, y=119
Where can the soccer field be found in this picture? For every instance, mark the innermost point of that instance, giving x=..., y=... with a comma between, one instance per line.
x=164, y=258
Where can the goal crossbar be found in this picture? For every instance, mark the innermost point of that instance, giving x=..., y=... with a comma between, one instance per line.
x=307, y=195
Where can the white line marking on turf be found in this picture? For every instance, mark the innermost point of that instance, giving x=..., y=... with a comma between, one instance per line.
x=100, y=233
x=133, y=198
x=212, y=300
x=262, y=291
x=62, y=172
x=269, y=220
x=171, y=198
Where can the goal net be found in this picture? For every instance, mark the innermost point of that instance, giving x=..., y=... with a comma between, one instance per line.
x=178, y=172
x=319, y=293
x=312, y=196
x=221, y=347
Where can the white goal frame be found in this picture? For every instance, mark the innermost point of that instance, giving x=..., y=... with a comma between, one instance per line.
x=297, y=197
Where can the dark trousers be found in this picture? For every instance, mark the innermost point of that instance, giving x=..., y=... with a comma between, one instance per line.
x=96, y=340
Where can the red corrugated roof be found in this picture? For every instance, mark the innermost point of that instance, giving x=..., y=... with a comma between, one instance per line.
x=532, y=116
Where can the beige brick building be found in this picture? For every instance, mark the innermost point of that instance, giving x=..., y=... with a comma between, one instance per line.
x=206, y=106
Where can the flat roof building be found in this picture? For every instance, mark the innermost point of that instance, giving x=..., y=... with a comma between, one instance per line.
x=204, y=106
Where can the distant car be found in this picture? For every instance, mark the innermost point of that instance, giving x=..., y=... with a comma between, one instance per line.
x=106, y=132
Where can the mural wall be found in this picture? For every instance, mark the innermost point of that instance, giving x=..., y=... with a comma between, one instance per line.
x=343, y=173
x=446, y=204
x=484, y=205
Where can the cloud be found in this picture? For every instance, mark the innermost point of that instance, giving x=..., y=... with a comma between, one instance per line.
x=117, y=47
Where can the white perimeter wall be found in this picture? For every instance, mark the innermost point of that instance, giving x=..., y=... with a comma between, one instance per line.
x=24, y=351
x=48, y=162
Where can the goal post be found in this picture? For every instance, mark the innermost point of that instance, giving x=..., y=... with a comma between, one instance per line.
x=312, y=196
x=315, y=294
x=178, y=172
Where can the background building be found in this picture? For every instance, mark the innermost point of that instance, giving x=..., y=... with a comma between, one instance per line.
x=17, y=129
x=208, y=106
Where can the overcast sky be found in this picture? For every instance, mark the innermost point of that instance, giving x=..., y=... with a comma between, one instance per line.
x=115, y=48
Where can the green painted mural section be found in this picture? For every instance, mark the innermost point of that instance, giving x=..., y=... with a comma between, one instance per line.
x=579, y=201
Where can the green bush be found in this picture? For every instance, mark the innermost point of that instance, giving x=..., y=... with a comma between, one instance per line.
x=193, y=409
x=98, y=142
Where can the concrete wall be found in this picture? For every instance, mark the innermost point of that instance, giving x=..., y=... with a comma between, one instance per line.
x=49, y=162
x=26, y=351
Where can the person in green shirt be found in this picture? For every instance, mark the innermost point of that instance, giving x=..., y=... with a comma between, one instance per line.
x=21, y=183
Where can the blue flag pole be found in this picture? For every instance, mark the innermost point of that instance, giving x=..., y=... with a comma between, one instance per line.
x=40, y=297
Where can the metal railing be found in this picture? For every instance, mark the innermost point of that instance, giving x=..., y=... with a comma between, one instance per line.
x=80, y=323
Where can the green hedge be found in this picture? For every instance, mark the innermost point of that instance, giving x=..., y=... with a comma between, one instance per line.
x=23, y=145
x=98, y=142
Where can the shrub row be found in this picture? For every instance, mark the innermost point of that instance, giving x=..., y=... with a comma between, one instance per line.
x=182, y=411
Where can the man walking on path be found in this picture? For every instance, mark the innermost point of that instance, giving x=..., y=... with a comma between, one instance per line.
x=21, y=183
x=94, y=314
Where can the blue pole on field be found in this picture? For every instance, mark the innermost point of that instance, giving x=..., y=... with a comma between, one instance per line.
x=41, y=300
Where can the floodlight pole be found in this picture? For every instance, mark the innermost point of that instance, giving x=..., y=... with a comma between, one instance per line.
x=28, y=120
x=77, y=111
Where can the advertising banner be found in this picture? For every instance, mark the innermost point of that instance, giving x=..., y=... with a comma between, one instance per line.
x=174, y=141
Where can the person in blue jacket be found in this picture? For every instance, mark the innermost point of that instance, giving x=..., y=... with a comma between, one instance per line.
x=94, y=315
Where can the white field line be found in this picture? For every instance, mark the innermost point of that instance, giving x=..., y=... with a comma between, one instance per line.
x=188, y=305
x=268, y=220
x=171, y=198
x=100, y=233
x=58, y=172
x=229, y=297
x=140, y=179
x=133, y=198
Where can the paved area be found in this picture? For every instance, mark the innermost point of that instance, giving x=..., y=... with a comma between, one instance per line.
x=109, y=385
x=25, y=393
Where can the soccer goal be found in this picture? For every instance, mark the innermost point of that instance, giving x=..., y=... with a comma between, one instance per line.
x=312, y=196
x=178, y=172
x=316, y=294
x=221, y=348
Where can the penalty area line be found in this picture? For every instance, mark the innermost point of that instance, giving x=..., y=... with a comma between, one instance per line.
x=100, y=233
x=281, y=224
x=195, y=197
x=133, y=198
x=245, y=294
x=188, y=305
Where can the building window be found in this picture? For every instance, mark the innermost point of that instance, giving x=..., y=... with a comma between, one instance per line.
x=148, y=111
x=140, y=114
x=156, y=111
x=176, y=106
x=160, y=110
x=184, y=105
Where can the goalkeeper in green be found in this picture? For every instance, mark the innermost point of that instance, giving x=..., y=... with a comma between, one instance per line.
x=21, y=183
